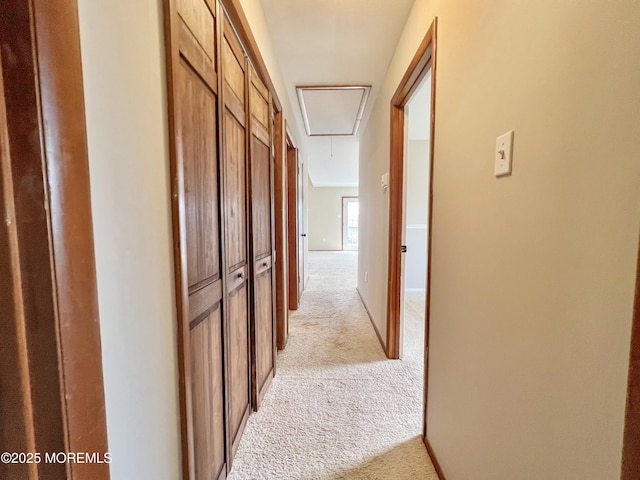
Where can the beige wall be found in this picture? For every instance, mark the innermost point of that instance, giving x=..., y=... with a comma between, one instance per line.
x=532, y=275
x=325, y=216
x=124, y=81
x=416, y=211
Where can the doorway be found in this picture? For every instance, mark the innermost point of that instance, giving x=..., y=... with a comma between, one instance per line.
x=414, y=224
x=422, y=65
x=350, y=216
x=295, y=224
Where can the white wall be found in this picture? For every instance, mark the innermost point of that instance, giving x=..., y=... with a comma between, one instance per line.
x=333, y=161
x=325, y=216
x=416, y=210
x=533, y=274
x=124, y=81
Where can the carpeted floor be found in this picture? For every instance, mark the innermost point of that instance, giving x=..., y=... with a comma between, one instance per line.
x=337, y=409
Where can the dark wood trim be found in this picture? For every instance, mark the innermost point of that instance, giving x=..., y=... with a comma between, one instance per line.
x=52, y=396
x=171, y=28
x=242, y=28
x=342, y=221
x=434, y=459
x=364, y=304
x=423, y=60
x=280, y=170
x=631, y=442
x=67, y=165
x=408, y=85
x=292, y=222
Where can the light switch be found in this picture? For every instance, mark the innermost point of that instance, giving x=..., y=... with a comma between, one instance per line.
x=503, y=155
x=384, y=181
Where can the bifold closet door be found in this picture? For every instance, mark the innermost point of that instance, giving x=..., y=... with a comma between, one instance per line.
x=195, y=107
x=234, y=156
x=262, y=231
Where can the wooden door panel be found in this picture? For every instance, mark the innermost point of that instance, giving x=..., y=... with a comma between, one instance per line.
x=207, y=397
x=264, y=331
x=234, y=157
x=238, y=361
x=192, y=42
x=261, y=197
x=200, y=19
x=235, y=193
x=262, y=231
x=199, y=159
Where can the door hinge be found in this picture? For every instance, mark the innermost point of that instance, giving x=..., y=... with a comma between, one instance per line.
x=403, y=249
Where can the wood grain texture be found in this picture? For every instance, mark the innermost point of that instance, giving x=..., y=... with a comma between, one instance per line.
x=200, y=20
x=631, y=442
x=198, y=150
x=261, y=197
x=52, y=278
x=191, y=52
x=292, y=226
x=264, y=331
x=192, y=63
x=236, y=218
x=280, y=213
x=239, y=392
x=18, y=433
x=261, y=212
x=207, y=394
x=238, y=18
x=67, y=170
x=234, y=156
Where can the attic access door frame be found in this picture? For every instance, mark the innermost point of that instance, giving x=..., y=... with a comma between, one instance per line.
x=423, y=61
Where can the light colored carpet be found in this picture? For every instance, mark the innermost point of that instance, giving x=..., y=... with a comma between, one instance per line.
x=337, y=409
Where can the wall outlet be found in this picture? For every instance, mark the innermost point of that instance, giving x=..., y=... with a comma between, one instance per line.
x=366, y=276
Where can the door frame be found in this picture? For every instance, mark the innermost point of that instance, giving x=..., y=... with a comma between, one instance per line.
x=57, y=267
x=631, y=441
x=280, y=202
x=293, y=229
x=423, y=60
x=343, y=220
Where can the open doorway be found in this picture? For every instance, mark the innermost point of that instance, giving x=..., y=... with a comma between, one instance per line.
x=415, y=223
x=420, y=72
x=350, y=215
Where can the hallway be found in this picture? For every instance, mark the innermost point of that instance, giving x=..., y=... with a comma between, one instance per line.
x=337, y=408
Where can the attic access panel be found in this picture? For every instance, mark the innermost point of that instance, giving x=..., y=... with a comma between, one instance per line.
x=332, y=110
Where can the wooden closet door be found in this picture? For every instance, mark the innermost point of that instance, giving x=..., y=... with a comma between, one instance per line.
x=262, y=231
x=194, y=61
x=234, y=156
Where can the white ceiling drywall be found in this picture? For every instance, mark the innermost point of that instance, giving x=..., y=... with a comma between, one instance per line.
x=420, y=111
x=333, y=161
x=334, y=42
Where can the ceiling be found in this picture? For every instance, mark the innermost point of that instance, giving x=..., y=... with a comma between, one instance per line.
x=332, y=110
x=334, y=42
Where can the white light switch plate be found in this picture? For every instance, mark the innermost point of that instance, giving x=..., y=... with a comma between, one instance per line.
x=503, y=154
